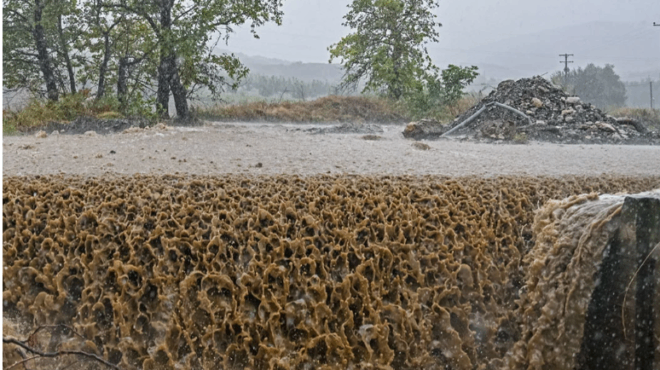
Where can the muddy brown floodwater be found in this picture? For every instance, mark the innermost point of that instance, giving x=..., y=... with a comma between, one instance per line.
x=284, y=272
x=249, y=148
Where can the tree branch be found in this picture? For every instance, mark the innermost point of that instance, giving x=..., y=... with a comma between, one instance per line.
x=22, y=362
x=16, y=13
x=43, y=327
x=144, y=15
x=58, y=353
x=184, y=13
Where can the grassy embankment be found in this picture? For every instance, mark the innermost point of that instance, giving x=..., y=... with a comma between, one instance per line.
x=37, y=113
x=327, y=109
x=331, y=109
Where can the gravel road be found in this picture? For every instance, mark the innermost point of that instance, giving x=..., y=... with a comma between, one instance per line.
x=249, y=148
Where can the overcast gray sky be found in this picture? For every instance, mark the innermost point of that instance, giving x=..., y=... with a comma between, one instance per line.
x=310, y=26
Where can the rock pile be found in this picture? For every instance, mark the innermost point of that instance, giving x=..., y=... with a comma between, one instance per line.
x=552, y=116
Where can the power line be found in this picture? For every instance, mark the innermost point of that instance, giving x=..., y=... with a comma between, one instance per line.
x=566, y=62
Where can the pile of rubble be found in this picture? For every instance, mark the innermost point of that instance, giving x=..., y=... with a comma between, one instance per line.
x=535, y=109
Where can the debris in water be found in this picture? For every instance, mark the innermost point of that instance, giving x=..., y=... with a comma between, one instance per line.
x=421, y=146
x=371, y=137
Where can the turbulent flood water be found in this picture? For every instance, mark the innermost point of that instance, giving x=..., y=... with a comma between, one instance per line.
x=578, y=258
x=287, y=272
x=304, y=150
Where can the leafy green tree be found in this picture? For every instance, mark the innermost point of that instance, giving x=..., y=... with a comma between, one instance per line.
x=454, y=81
x=69, y=31
x=37, y=35
x=387, y=47
x=600, y=86
x=100, y=40
x=136, y=60
x=184, y=31
x=63, y=44
x=440, y=91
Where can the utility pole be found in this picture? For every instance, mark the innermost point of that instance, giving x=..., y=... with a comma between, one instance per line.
x=566, y=69
x=651, y=82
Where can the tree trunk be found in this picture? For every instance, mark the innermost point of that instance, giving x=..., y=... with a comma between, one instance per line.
x=164, y=68
x=396, y=88
x=163, y=94
x=168, y=74
x=122, y=82
x=100, y=91
x=42, y=52
x=179, y=91
x=60, y=81
x=67, y=60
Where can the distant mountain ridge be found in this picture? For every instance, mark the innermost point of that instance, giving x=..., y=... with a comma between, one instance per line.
x=303, y=71
x=634, y=50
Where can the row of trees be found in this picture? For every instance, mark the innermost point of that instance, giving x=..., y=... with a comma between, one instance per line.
x=268, y=86
x=162, y=48
x=166, y=47
x=600, y=86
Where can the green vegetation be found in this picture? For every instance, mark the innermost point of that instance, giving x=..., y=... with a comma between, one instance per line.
x=440, y=95
x=56, y=48
x=387, y=50
x=126, y=58
x=38, y=113
x=600, y=86
x=520, y=138
x=387, y=47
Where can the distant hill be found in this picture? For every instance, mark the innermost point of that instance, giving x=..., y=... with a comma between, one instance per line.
x=633, y=49
x=303, y=71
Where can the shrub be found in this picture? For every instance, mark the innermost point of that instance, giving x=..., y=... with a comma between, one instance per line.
x=37, y=113
x=435, y=96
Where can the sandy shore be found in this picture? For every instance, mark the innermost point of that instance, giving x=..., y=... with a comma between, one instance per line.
x=236, y=148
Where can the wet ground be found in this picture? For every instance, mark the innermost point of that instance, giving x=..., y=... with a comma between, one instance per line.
x=249, y=148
